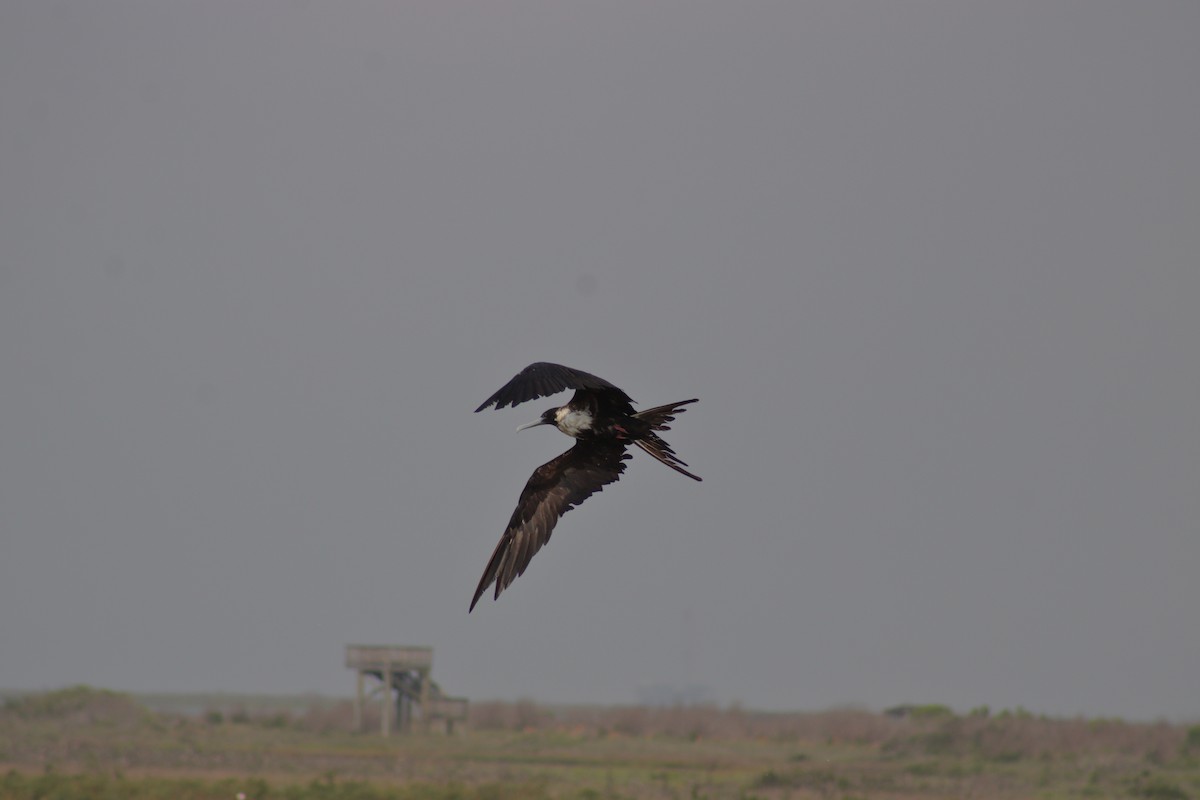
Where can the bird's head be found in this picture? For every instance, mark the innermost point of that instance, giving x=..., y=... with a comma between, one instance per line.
x=549, y=417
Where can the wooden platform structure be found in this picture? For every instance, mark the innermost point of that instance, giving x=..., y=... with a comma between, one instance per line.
x=405, y=689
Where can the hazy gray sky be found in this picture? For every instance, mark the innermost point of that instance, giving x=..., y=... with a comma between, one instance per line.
x=932, y=268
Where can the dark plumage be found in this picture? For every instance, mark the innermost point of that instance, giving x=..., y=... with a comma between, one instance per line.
x=603, y=422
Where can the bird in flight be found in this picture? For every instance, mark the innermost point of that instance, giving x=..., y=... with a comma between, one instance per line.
x=601, y=419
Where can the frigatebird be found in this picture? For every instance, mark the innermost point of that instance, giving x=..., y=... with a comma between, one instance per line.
x=601, y=419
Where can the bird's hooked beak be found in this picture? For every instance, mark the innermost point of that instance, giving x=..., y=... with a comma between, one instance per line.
x=549, y=417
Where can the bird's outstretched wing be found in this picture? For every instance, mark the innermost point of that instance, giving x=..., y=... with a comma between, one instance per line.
x=554, y=489
x=543, y=379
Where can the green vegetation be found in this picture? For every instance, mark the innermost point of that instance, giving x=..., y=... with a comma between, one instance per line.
x=87, y=743
x=1191, y=743
x=81, y=703
x=98, y=786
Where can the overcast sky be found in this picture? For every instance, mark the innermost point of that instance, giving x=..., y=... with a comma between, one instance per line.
x=932, y=268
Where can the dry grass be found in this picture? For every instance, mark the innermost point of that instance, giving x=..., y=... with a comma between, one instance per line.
x=120, y=749
x=1018, y=736
x=1004, y=736
x=687, y=722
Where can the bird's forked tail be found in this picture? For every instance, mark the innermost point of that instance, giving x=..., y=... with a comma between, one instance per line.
x=652, y=443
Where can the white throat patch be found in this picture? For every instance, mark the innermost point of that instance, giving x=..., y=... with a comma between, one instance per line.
x=572, y=422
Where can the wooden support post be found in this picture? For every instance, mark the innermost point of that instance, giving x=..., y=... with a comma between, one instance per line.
x=358, y=704
x=426, y=696
x=387, y=698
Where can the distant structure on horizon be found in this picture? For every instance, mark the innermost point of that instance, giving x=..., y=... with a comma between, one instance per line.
x=405, y=689
x=667, y=695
